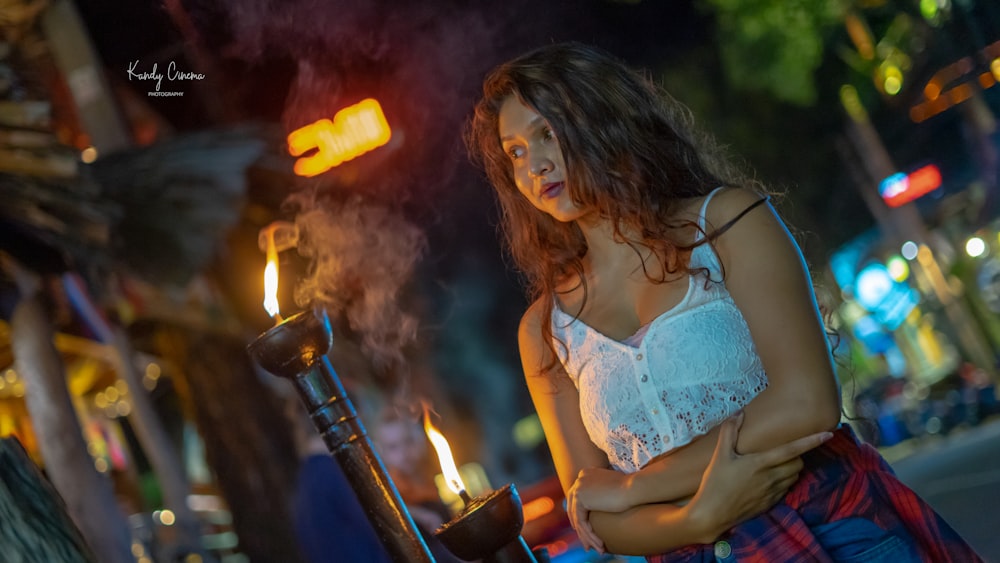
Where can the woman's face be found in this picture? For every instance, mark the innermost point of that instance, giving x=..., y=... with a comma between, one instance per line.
x=537, y=160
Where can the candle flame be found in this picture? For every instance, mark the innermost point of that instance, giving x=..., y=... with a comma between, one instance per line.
x=440, y=444
x=271, y=279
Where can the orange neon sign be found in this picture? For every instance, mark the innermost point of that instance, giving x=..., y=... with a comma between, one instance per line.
x=353, y=131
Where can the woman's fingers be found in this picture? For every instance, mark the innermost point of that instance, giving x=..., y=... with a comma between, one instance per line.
x=787, y=483
x=736, y=487
x=579, y=518
x=792, y=450
x=728, y=434
x=587, y=536
x=791, y=467
x=591, y=538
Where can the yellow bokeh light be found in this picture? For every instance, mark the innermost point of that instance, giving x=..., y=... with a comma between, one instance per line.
x=892, y=78
x=898, y=268
x=167, y=517
x=88, y=155
x=851, y=101
x=892, y=85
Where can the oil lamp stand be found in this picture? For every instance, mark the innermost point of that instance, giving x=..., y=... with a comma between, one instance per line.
x=489, y=529
x=296, y=350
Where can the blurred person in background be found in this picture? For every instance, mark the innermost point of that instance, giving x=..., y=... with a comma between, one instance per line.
x=329, y=522
x=403, y=446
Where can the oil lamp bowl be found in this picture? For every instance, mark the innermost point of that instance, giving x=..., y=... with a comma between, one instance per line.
x=294, y=345
x=485, y=526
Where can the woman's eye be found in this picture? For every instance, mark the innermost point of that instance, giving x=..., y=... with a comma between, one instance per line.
x=515, y=152
x=548, y=134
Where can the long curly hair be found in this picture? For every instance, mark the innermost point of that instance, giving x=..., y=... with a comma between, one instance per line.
x=631, y=152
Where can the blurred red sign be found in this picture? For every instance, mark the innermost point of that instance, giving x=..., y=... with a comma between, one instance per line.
x=903, y=188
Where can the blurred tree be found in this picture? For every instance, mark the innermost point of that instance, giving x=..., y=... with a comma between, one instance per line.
x=775, y=45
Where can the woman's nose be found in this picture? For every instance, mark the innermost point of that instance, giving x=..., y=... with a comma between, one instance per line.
x=540, y=166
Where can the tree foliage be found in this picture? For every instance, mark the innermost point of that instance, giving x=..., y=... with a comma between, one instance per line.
x=775, y=45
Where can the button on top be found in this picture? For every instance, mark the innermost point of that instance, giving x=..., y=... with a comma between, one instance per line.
x=638, y=356
x=644, y=378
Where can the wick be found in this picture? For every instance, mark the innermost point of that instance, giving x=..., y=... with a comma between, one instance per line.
x=277, y=319
x=466, y=499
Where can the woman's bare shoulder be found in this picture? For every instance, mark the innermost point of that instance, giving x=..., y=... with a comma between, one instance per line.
x=531, y=320
x=728, y=203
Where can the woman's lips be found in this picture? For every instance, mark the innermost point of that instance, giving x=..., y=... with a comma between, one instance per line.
x=552, y=190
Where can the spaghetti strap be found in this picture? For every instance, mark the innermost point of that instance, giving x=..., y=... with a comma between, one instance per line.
x=718, y=232
x=704, y=207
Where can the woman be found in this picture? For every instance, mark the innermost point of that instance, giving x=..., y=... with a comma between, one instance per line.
x=669, y=297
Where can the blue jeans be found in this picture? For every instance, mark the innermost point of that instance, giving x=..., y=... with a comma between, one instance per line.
x=853, y=540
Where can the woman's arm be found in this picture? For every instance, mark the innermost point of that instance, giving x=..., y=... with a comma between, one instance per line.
x=557, y=403
x=734, y=488
x=768, y=280
x=742, y=486
x=767, y=277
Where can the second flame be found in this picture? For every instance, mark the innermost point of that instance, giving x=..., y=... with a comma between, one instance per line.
x=448, y=468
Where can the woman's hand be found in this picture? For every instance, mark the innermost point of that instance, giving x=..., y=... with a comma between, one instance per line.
x=737, y=487
x=595, y=488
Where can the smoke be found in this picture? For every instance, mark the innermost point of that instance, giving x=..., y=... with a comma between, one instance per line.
x=423, y=62
x=361, y=256
x=419, y=60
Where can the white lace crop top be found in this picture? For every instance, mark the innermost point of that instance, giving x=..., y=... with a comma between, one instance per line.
x=694, y=366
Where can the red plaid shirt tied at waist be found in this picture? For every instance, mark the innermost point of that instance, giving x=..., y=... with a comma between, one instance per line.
x=848, y=506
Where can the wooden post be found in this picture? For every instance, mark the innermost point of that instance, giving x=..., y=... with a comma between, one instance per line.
x=89, y=495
